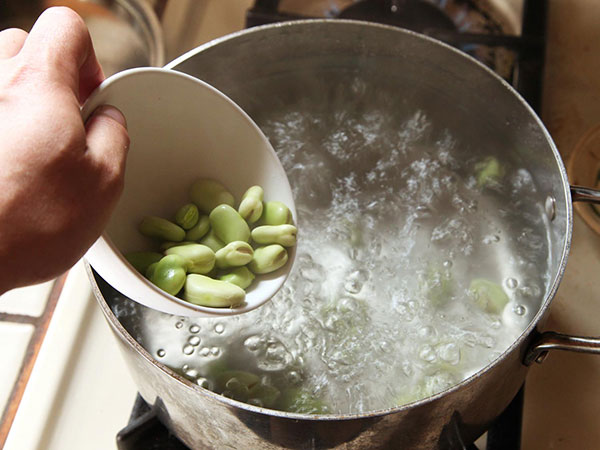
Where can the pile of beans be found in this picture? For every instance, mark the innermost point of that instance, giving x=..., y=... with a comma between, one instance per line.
x=210, y=252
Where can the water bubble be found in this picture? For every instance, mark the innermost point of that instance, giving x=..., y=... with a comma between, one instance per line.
x=194, y=329
x=427, y=353
x=511, y=283
x=447, y=264
x=491, y=239
x=219, y=328
x=185, y=367
x=204, y=383
x=449, y=353
x=178, y=324
x=161, y=352
x=495, y=323
x=215, y=351
x=293, y=377
x=192, y=373
x=194, y=341
x=204, y=351
x=253, y=343
x=188, y=349
x=519, y=310
x=355, y=280
x=427, y=331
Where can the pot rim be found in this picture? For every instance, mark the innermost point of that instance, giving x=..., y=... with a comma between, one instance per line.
x=557, y=277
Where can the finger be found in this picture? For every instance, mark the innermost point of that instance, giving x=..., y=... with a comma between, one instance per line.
x=59, y=43
x=11, y=42
x=107, y=139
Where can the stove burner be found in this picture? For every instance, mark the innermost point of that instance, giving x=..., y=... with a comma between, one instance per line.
x=414, y=15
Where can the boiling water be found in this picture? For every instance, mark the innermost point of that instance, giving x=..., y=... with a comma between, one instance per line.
x=393, y=227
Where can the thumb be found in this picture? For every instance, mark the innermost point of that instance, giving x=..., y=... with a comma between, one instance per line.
x=107, y=139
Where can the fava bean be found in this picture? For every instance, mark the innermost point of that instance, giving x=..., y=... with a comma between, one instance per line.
x=207, y=194
x=187, y=216
x=228, y=225
x=168, y=244
x=251, y=206
x=268, y=259
x=204, y=291
x=488, y=295
x=211, y=240
x=150, y=270
x=234, y=254
x=489, y=172
x=240, y=276
x=199, y=230
x=159, y=228
x=263, y=395
x=142, y=260
x=275, y=213
x=275, y=234
x=198, y=258
x=169, y=274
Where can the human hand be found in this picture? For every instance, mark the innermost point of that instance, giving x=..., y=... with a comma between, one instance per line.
x=60, y=178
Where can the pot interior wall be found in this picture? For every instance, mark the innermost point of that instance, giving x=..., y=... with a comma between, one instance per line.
x=338, y=70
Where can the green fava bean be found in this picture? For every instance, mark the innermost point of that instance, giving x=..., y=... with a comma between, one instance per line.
x=198, y=258
x=489, y=172
x=251, y=206
x=276, y=213
x=199, y=230
x=159, y=228
x=187, y=216
x=168, y=244
x=263, y=395
x=240, y=276
x=151, y=268
x=234, y=254
x=142, y=260
x=204, y=291
x=268, y=259
x=169, y=274
x=247, y=379
x=275, y=234
x=208, y=194
x=211, y=240
x=488, y=295
x=228, y=225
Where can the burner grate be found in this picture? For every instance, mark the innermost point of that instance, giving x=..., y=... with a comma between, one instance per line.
x=519, y=59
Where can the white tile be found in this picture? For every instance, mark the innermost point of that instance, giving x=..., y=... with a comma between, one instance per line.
x=14, y=338
x=29, y=300
x=80, y=393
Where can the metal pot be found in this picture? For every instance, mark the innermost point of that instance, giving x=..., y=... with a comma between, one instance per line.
x=258, y=68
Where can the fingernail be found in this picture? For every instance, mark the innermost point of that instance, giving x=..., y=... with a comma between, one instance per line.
x=111, y=112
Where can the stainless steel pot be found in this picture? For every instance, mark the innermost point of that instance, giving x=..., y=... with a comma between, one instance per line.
x=266, y=68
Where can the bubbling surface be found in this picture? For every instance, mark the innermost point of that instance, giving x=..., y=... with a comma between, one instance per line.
x=392, y=228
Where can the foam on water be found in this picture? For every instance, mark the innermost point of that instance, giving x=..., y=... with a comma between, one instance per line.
x=393, y=227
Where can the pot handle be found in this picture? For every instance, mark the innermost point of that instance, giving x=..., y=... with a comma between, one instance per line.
x=551, y=340
x=584, y=194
